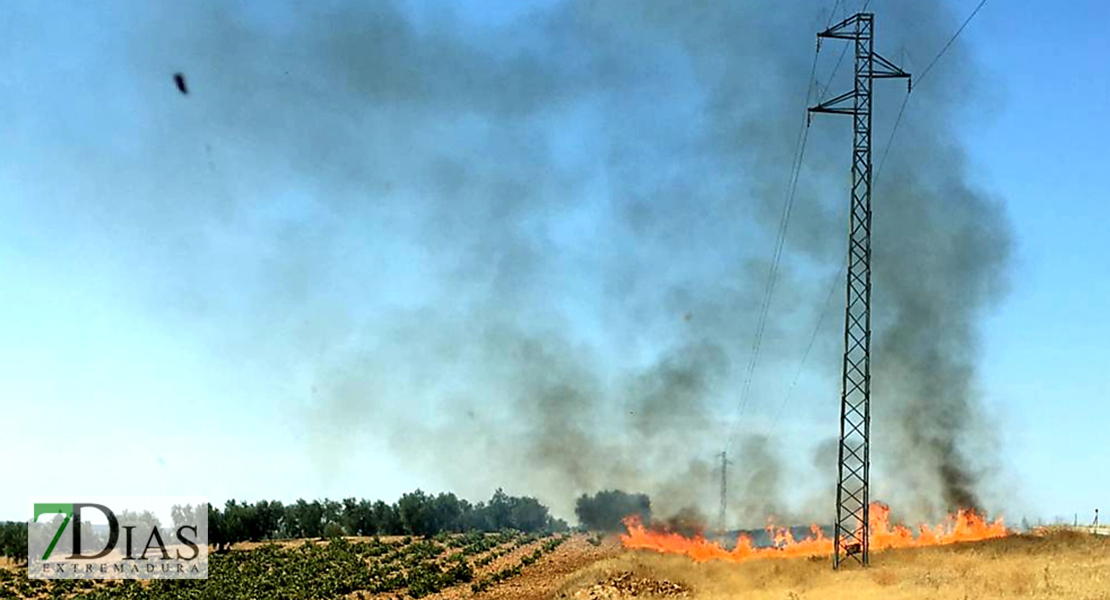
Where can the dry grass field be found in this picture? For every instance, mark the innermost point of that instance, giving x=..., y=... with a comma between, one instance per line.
x=1056, y=564
x=1060, y=564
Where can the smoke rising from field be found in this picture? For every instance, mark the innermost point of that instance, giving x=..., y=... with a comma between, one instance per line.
x=532, y=254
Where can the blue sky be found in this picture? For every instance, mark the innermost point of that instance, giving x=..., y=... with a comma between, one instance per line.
x=1041, y=151
x=143, y=341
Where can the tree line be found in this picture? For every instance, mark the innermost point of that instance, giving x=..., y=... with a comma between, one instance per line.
x=416, y=513
x=13, y=541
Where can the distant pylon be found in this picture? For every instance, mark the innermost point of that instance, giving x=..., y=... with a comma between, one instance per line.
x=852, y=529
x=721, y=518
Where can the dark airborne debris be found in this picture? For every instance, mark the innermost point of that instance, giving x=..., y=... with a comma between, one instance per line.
x=179, y=79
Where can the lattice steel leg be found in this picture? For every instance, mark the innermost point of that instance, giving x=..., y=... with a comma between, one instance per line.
x=852, y=531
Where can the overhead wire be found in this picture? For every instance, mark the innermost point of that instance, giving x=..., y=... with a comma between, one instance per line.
x=832, y=14
x=843, y=268
x=932, y=63
x=772, y=275
x=950, y=40
x=836, y=68
x=839, y=276
x=796, y=166
x=800, y=147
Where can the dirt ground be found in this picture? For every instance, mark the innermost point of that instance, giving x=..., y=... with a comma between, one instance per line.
x=1061, y=564
x=544, y=579
x=1064, y=565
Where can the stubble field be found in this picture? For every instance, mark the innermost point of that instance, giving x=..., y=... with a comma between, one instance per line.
x=1061, y=564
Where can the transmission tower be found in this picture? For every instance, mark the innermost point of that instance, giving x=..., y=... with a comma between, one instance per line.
x=852, y=511
x=725, y=462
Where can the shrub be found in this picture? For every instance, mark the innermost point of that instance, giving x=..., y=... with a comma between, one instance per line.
x=333, y=531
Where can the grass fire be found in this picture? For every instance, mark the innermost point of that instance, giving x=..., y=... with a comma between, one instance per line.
x=553, y=299
x=963, y=526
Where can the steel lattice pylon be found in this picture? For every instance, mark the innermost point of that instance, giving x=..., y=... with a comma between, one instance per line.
x=721, y=519
x=852, y=525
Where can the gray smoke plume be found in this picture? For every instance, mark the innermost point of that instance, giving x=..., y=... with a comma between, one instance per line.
x=759, y=480
x=532, y=253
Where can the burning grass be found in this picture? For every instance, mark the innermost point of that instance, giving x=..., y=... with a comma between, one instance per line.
x=965, y=526
x=1058, y=565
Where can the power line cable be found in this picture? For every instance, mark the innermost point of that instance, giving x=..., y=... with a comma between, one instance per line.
x=772, y=275
x=809, y=347
x=836, y=68
x=893, y=131
x=832, y=14
x=932, y=63
x=950, y=40
x=796, y=166
x=840, y=275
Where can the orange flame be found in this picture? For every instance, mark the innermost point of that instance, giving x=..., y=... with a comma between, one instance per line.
x=964, y=526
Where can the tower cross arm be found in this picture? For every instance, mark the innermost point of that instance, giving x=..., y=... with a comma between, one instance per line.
x=844, y=30
x=841, y=104
x=882, y=67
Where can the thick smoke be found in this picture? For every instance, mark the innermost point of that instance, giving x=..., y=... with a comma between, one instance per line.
x=532, y=254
